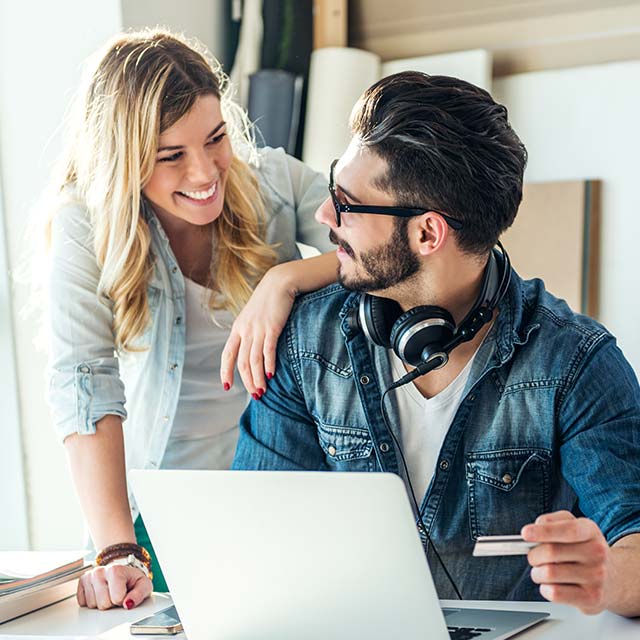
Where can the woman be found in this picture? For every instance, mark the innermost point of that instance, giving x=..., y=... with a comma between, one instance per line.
x=165, y=220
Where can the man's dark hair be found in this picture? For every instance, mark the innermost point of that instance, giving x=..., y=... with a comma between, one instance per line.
x=448, y=146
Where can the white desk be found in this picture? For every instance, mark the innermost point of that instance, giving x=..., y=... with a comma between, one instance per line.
x=67, y=619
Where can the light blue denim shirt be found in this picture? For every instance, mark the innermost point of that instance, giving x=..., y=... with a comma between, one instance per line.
x=87, y=379
x=549, y=420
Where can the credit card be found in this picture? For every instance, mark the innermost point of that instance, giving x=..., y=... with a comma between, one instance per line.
x=502, y=546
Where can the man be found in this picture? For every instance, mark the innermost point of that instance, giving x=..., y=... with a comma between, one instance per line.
x=532, y=425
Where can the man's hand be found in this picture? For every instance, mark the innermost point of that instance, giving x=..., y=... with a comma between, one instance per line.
x=114, y=585
x=572, y=563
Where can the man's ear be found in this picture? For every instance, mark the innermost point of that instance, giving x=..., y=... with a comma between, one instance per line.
x=431, y=231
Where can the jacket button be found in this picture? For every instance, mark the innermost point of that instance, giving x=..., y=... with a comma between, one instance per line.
x=332, y=450
x=444, y=465
x=384, y=447
x=507, y=478
x=364, y=380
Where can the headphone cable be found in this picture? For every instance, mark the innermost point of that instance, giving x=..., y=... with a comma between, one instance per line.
x=421, y=528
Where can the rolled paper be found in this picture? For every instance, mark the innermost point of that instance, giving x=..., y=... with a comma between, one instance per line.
x=474, y=66
x=337, y=78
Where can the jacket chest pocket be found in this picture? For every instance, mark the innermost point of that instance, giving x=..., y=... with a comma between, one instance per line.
x=346, y=449
x=508, y=488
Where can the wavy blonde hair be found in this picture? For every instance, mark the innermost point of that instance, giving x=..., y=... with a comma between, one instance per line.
x=140, y=85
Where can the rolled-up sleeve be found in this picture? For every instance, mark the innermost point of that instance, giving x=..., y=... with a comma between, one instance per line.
x=84, y=384
x=600, y=452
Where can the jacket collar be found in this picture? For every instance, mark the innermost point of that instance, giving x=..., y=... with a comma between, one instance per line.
x=512, y=326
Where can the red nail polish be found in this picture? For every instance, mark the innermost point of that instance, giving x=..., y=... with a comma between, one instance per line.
x=255, y=396
x=269, y=375
x=129, y=604
x=261, y=391
x=226, y=386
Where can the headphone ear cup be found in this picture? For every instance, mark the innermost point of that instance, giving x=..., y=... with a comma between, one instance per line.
x=377, y=317
x=427, y=327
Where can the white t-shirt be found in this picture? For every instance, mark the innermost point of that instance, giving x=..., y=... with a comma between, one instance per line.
x=424, y=423
x=205, y=429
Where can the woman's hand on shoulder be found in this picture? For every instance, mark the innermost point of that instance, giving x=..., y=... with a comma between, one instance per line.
x=255, y=332
x=114, y=585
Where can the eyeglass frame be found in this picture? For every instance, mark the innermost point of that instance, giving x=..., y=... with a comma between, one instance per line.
x=401, y=212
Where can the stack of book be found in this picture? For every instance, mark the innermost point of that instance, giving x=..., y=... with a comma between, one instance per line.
x=30, y=580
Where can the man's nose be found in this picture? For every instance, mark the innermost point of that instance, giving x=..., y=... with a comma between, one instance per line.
x=326, y=214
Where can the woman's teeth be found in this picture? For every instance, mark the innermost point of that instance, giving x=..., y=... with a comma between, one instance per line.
x=200, y=195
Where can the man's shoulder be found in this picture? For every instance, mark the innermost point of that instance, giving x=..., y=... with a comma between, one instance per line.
x=559, y=328
x=317, y=316
x=542, y=306
x=324, y=303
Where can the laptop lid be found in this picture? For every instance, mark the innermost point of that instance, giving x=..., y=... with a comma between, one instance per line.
x=250, y=554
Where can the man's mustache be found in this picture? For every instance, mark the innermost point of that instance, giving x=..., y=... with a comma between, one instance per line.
x=345, y=245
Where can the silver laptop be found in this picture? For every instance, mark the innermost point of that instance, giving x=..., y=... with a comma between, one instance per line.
x=250, y=554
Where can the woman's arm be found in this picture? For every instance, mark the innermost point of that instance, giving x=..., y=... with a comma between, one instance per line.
x=98, y=471
x=86, y=396
x=255, y=332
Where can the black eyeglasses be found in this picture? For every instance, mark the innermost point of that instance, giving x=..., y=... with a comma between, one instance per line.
x=402, y=212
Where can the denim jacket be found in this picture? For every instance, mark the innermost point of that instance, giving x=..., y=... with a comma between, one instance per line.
x=550, y=419
x=87, y=380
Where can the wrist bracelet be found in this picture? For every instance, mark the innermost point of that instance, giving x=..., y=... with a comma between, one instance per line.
x=121, y=552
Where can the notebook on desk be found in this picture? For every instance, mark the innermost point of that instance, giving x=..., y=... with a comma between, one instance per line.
x=250, y=554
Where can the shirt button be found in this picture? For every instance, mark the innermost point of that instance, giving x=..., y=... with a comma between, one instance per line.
x=166, y=418
x=332, y=450
x=472, y=397
x=179, y=320
x=384, y=447
x=174, y=270
x=173, y=367
x=365, y=379
x=507, y=478
x=84, y=369
x=444, y=465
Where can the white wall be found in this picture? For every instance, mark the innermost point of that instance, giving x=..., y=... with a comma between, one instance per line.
x=200, y=19
x=42, y=45
x=585, y=123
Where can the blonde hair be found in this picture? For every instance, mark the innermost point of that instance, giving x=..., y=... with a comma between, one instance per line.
x=142, y=84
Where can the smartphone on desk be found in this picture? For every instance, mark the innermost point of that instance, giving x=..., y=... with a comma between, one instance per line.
x=163, y=622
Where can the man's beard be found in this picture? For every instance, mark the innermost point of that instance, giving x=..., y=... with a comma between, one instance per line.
x=385, y=266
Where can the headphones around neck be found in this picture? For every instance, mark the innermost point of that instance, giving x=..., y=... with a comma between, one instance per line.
x=425, y=336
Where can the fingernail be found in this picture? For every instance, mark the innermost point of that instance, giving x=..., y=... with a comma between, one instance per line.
x=261, y=392
x=129, y=604
x=255, y=396
x=226, y=386
x=269, y=375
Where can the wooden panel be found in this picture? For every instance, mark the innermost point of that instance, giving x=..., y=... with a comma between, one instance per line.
x=556, y=237
x=329, y=23
x=523, y=36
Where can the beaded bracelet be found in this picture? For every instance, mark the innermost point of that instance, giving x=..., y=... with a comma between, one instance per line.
x=123, y=550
